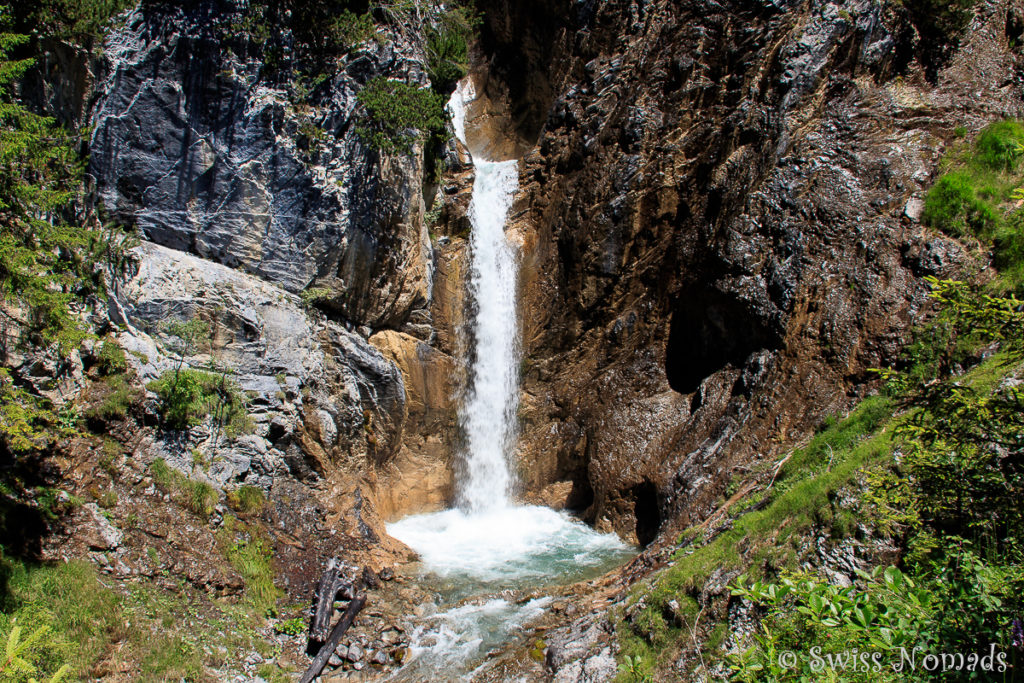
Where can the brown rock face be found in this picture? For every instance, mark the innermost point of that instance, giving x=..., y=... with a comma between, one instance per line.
x=713, y=216
x=419, y=479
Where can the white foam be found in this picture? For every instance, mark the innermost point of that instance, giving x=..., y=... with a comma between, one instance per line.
x=512, y=544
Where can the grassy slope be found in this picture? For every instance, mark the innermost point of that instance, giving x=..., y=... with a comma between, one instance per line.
x=803, y=498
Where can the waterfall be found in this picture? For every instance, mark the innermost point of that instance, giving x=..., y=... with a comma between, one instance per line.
x=489, y=412
x=475, y=553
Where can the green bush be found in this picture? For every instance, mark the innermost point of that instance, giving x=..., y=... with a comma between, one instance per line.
x=110, y=360
x=80, y=20
x=448, y=47
x=399, y=114
x=187, y=396
x=884, y=613
x=348, y=29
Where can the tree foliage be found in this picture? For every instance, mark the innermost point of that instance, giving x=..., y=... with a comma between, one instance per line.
x=80, y=21
x=399, y=114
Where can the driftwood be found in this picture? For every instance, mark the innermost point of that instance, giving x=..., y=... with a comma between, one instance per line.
x=325, y=594
x=331, y=584
x=329, y=646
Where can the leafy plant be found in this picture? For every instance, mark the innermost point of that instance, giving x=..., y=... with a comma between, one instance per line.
x=634, y=668
x=291, y=627
x=811, y=618
x=399, y=114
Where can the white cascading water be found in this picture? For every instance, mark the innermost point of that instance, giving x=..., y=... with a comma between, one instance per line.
x=488, y=543
x=489, y=413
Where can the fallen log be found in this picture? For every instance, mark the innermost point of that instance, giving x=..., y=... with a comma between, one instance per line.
x=331, y=644
x=320, y=624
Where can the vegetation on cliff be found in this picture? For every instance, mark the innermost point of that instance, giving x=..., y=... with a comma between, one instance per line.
x=979, y=196
x=399, y=114
x=928, y=475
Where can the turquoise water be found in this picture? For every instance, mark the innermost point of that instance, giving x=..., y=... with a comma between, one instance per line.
x=469, y=561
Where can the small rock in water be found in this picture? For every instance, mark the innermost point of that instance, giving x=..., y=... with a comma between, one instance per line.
x=379, y=657
x=355, y=653
x=335, y=660
x=342, y=651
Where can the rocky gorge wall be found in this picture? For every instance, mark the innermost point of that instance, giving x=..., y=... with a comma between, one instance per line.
x=718, y=215
x=719, y=212
x=249, y=187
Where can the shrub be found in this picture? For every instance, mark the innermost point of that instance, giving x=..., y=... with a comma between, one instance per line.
x=399, y=114
x=348, y=29
x=80, y=20
x=314, y=295
x=448, y=47
x=187, y=396
x=110, y=360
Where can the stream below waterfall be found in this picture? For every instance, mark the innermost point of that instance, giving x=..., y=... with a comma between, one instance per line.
x=478, y=558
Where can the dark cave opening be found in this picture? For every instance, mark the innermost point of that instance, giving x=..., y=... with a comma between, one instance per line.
x=647, y=512
x=709, y=330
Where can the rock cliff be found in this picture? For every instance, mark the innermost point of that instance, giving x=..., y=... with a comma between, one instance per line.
x=719, y=218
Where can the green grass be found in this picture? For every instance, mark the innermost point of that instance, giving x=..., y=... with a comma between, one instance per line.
x=114, y=397
x=160, y=634
x=251, y=556
x=198, y=496
x=247, y=500
x=977, y=193
x=768, y=538
x=80, y=616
